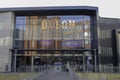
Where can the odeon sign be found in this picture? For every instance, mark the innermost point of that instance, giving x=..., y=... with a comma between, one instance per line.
x=55, y=24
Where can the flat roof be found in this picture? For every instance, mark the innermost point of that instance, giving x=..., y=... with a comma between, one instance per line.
x=50, y=8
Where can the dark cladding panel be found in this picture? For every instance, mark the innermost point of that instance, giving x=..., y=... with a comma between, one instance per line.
x=118, y=46
x=106, y=40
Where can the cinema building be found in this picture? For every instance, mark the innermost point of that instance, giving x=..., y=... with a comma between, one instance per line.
x=35, y=36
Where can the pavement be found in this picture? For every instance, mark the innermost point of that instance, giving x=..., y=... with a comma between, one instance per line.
x=52, y=75
x=62, y=76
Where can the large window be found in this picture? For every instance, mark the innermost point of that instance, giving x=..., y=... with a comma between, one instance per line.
x=53, y=32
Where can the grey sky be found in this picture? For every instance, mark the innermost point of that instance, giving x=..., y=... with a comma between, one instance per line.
x=107, y=8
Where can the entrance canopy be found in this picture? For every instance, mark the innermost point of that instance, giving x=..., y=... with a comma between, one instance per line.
x=51, y=52
x=44, y=50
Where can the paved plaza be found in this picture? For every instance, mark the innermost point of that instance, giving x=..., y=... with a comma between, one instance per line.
x=62, y=76
x=52, y=75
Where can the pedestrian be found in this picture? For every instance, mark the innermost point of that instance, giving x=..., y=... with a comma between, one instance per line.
x=6, y=68
x=67, y=67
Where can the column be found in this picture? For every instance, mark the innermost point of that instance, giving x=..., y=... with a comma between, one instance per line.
x=15, y=58
x=95, y=60
x=83, y=62
x=32, y=62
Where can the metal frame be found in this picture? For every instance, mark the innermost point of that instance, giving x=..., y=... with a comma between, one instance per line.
x=32, y=60
x=53, y=49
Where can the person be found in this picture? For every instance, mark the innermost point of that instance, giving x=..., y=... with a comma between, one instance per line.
x=6, y=68
x=89, y=66
x=67, y=67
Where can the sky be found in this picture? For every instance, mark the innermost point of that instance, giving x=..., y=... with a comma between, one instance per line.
x=107, y=8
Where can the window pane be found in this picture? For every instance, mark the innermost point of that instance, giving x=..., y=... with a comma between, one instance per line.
x=69, y=31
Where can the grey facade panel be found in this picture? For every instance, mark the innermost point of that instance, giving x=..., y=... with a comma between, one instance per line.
x=6, y=39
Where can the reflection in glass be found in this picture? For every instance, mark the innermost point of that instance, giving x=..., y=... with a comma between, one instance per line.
x=53, y=32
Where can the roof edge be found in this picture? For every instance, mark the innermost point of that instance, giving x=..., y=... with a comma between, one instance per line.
x=49, y=8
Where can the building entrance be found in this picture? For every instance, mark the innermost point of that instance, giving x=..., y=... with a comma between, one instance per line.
x=80, y=60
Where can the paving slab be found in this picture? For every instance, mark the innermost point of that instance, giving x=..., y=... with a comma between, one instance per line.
x=61, y=76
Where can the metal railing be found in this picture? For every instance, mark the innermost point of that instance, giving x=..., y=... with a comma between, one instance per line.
x=99, y=69
x=98, y=76
x=35, y=68
x=102, y=73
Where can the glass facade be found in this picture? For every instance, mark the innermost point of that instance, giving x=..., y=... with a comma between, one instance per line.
x=53, y=32
x=48, y=39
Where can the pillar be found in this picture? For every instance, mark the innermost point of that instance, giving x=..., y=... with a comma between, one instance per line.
x=32, y=62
